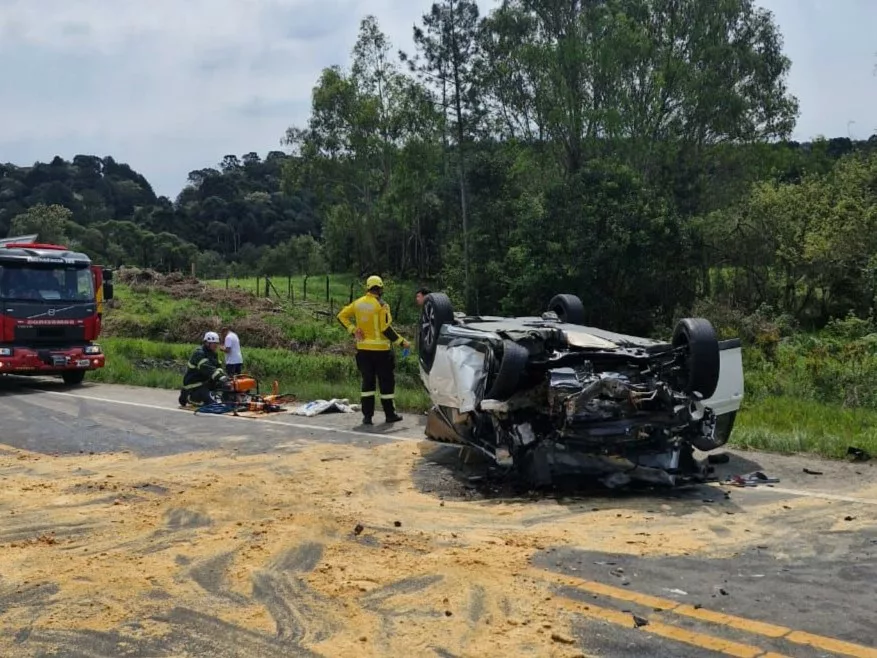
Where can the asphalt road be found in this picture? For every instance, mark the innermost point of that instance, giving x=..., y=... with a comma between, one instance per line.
x=792, y=573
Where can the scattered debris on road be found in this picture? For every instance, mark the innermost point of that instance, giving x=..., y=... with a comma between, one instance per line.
x=857, y=454
x=750, y=480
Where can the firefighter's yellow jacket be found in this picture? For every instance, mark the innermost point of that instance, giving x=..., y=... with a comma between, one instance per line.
x=372, y=316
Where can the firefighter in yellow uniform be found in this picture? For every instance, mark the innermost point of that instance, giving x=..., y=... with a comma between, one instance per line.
x=369, y=319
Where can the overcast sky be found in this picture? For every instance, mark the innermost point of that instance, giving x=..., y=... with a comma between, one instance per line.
x=169, y=86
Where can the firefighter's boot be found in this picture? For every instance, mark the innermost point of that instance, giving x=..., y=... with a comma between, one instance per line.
x=368, y=409
x=390, y=411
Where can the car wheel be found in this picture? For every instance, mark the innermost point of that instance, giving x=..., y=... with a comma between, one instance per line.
x=73, y=377
x=701, y=369
x=514, y=360
x=437, y=311
x=568, y=308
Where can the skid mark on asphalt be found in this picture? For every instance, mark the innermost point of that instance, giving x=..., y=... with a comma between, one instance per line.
x=295, y=608
x=186, y=631
x=211, y=577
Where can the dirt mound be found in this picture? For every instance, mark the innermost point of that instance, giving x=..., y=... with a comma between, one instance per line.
x=259, y=323
x=180, y=286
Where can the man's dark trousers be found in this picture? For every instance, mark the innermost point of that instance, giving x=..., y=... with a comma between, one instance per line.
x=377, y=366
x=199, y=395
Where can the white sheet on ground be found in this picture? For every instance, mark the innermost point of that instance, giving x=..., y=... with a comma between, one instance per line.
x=316, y=407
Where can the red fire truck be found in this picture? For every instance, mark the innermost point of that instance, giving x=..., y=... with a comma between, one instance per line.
x=51, y=306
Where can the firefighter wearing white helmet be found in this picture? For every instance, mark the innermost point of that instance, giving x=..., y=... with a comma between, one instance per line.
x=369, y=320
x=203, y=372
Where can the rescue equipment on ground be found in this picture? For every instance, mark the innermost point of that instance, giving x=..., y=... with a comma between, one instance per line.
x=241, y=394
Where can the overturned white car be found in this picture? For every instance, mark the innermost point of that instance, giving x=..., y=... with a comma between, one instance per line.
x=553, y=397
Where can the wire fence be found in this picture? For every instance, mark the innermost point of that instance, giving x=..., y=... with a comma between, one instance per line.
x=324, y=295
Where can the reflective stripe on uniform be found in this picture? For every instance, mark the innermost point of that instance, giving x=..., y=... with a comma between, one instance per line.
x=384, y=343
x=388, y=396
x=195, y=385
x=367, y=394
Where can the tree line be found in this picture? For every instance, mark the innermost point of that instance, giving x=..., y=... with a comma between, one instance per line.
x=635, y=152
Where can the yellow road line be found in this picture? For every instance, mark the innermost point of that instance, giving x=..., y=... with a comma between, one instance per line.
x=730, y=621
x=699, y=640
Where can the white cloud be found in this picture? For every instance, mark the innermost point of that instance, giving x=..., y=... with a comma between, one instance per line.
x=173, y=85
x=176, y=86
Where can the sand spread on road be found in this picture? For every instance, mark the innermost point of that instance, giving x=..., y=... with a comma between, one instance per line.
x=336, y=548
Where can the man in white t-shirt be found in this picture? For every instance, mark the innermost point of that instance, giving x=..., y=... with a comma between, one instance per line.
x=234, y=359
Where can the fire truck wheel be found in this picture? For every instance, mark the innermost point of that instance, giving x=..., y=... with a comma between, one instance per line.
x=73, y=377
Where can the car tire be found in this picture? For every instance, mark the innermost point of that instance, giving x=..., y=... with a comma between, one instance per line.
x=437, y=311
x=568, y=308
x=514, y=361
x=73, y=377
x=701, y=370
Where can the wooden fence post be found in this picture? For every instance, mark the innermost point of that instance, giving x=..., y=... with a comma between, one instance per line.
x=226, y=282
x=289, y=287
x=327, y=287
x=258, y=286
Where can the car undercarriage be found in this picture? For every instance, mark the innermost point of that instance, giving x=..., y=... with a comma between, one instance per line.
x=552, y=397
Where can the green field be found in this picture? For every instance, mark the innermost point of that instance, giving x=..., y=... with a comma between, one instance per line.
x=804, y=393
x=791, y=425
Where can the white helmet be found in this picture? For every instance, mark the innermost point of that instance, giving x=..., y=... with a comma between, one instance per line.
x=211, y=337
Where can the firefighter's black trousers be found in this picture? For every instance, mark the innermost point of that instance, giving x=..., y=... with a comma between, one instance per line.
x=198, y=395
x=377, y=366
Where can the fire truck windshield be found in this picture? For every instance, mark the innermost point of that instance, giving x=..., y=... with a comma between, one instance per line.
x=46, y=283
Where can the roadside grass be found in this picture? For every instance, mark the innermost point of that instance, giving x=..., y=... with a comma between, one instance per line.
x=140, y=362
x=788, y=425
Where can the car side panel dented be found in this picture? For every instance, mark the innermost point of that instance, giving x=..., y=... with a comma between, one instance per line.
x=457, y=376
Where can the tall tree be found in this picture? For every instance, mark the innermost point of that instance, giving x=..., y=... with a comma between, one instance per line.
x=51, y=223
x=639, y=76
x=448, y=52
